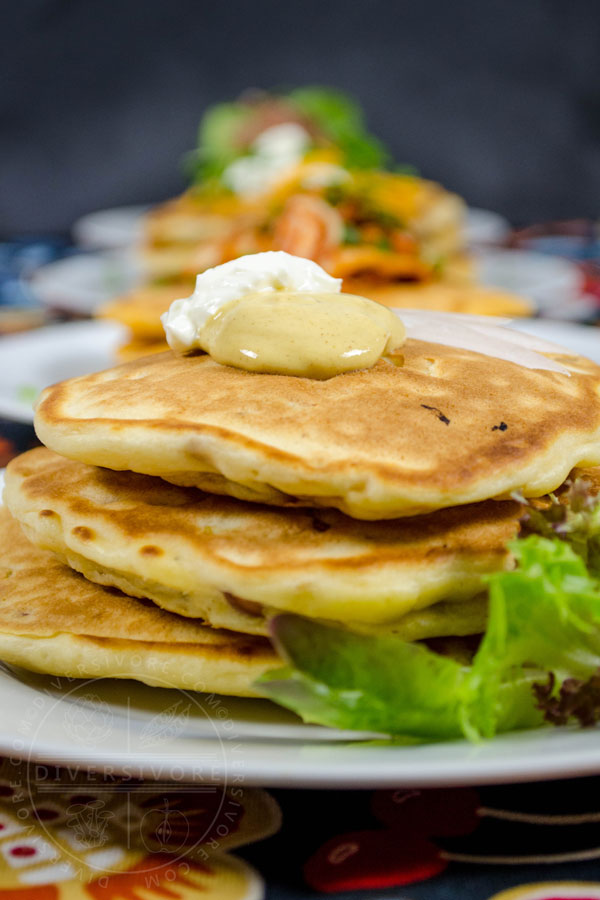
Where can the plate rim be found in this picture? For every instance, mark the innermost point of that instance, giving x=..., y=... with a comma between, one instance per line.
x=107, y=333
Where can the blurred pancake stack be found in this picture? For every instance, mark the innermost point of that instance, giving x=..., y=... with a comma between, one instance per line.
x=198, y=501
x=299, y=172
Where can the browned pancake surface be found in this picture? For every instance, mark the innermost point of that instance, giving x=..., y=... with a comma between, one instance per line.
x=445, y=427
x=208, y=555
x=40, y=596
x=54, y=621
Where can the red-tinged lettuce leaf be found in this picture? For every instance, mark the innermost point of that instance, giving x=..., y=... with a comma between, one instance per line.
x=573, y=516
x=544, y=616
x=575, y=699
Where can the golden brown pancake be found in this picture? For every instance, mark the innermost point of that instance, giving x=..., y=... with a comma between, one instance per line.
x=135, y=349
x=52, y=620
x=473, y=299
x=192, y=218
x=438, y=428
x=141, y=308
x=234, y=563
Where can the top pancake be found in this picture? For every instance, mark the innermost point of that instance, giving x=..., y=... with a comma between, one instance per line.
x=445, y=427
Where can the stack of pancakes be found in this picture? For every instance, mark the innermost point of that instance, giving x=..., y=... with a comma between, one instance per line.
x=198, y=500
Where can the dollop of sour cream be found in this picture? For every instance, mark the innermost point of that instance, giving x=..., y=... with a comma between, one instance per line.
x=280, y=314
x=276, y=313
x=274, y=270
x=276, y=150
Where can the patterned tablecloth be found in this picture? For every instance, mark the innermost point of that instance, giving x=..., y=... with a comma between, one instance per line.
x=68, y=835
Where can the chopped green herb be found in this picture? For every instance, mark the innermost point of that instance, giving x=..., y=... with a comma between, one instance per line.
x=335, y=194
x=342, y=121
x=351, y=235
x=27, y=393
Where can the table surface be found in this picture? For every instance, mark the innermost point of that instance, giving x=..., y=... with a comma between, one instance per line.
x=70, y=829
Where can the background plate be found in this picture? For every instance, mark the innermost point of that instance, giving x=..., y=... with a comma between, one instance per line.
x=32, y=360
x=121, y=226
x=80, y=284
x=553, y=283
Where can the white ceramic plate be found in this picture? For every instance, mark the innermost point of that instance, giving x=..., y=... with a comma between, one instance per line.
x=80, y=284
x=32, y=360
x=109, y=229
x=168, y=735
x=583, y=339
x=554, y=284
x=485, y=228
x=171, y=735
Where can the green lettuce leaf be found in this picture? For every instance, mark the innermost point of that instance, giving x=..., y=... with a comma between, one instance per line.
x=544, y=615
x=338, y=118
x=544, y=618
x=217, y=146
x=341, y=119
x=380, y=684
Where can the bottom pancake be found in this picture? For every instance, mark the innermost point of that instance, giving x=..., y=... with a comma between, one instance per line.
x=54, y=621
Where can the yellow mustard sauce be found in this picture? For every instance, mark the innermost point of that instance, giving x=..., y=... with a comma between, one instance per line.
x=313, y=335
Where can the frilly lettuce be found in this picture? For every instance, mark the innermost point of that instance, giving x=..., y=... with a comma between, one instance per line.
x=539, y=657
x=341, y=119
x=574, y=517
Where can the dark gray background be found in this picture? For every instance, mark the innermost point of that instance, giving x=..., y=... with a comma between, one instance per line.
x=497, y=99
